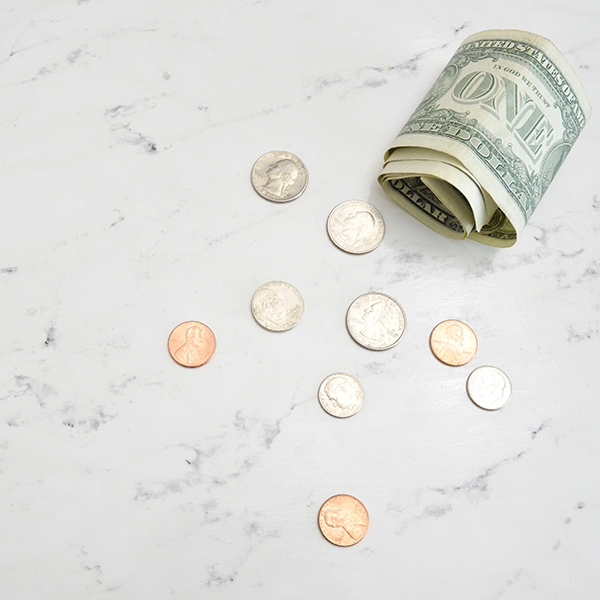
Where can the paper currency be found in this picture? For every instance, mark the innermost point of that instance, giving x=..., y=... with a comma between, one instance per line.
x=480, y=151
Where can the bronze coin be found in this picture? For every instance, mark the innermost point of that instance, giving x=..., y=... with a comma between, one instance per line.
x=192, y=344
x=453, y=342
x=343, y=520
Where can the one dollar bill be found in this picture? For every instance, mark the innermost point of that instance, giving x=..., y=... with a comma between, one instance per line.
x=480, y=151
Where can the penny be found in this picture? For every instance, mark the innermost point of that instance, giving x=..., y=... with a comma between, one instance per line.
x=343, y=520
x=277, y=306
x=192, y=344
x=489, y=388
x=453, y=342
x=376, y=321
x=341, y=395
x=355, y=227
x=279, y=176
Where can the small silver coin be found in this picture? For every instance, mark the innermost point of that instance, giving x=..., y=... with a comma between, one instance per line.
x=341, y=395
x=279, y=176
x=355, y=227
x=277, y=306
x=489, y=388
x=376, y=321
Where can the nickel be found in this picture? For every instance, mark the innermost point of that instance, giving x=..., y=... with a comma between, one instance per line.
x=355, y=227
x=279, y=176
x=277, y=306
x=192, y=344
x=489, y=388
x=453, y=342
x=343, y=520
x=341, y=395
x=376, y=321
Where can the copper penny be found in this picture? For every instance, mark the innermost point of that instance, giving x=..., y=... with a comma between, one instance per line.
x=453, y=342
x=192, y=344
x=343, y=520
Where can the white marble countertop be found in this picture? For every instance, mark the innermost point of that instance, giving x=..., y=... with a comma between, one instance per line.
x=128, y=133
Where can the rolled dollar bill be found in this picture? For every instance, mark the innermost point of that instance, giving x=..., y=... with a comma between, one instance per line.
x=480, y=151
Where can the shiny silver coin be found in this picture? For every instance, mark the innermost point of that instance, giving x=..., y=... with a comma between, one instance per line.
x=355, y=227
x=279, y=176
x=341, y=395
x=376, y=321
x=489, y=388
x=277, y=306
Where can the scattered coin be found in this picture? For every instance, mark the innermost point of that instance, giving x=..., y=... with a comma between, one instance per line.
x=279, y=176
x=341, y=395
x=355, y=227
x=376, y=321
x=192, y=344
x=277, y=306
x=343, y=520
x=489, y=388
x=453, y=342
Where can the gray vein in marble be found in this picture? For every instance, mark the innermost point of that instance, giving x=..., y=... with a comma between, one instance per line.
x=246, y=438
x=577, y=335
x=474, y=489
x=119, y=118
x=27, y=387
x=477, y=487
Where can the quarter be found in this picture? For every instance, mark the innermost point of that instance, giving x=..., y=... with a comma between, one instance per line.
x=355, y=227
x=341, y=395
x=489, y=388
x=376, y=321
x=279, y=176
x=192, y=344
x=453, y=342
x=277, y=306
x=343, y=520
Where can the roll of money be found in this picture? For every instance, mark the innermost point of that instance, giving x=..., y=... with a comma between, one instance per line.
x=480, y=151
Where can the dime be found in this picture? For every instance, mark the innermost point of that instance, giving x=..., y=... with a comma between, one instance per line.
x=343, y=520
x=376, y=321
x=489, y=388
x=341, y=395
x=277, y=306
x=279, y=176
x=355, y=227
x=192, y=344
x=453, y=342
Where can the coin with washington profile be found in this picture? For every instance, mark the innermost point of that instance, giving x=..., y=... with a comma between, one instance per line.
x=277, y=306
x=279, y=176
x=355, y=227
x=489, y=388
x=343, y=520
x=192, y=344
x=453, y=342
x=341, y=395
x=376, y=321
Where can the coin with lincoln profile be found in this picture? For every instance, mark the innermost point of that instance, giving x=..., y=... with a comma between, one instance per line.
x=192, y=344
x=343, y=520
x=453, y=342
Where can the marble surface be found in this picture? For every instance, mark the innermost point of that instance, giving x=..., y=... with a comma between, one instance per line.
x=128, y=133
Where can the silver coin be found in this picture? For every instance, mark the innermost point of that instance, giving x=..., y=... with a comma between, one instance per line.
x=277, y=306
x=489, y=388
x=355, y=227
x=376, y=321
x=341, y=395
x=279, y=176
